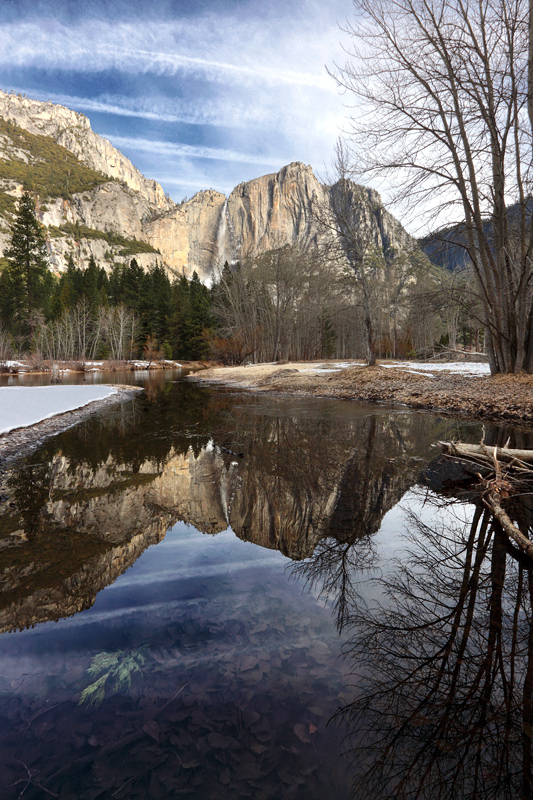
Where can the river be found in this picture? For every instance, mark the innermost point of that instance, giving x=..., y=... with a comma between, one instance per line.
x=213, y=594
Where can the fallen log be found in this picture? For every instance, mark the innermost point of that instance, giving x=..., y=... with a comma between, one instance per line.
x=462, y=450
x=499, y=473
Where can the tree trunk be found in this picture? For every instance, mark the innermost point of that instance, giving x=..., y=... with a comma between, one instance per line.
x=371, y=357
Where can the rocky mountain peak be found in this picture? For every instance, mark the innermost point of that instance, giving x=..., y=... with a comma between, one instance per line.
x=199, y=234
x=40, y=117
x=73, y=131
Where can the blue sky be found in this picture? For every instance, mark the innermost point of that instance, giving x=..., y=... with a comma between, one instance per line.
x=196, y=94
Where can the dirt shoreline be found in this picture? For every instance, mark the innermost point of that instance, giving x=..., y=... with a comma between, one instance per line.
x=79, y=368
x=502, y=398
x=18, y=442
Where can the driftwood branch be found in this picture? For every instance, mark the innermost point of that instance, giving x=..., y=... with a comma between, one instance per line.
x=485, y=451
x=510, y=529
x=505, y=472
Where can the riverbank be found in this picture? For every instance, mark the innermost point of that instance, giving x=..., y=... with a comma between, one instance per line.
x=18, y=441
x=39, y=367
x=464, y=390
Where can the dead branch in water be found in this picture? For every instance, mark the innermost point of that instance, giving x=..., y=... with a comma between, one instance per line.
x=486, y=452
x=501, y=473
x=509, y=528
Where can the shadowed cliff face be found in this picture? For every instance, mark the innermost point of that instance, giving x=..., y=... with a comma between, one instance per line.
x=284, y=476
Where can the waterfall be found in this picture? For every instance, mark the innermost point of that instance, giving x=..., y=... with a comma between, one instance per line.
x=225, y=241
x=222, y=235
x=231, y=238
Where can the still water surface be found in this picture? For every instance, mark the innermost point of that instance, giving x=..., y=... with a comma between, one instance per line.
x=207, y=594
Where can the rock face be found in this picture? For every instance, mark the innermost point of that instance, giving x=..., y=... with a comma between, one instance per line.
x=368, y=212
x=198, y=235
x=73, y=131
x=274, y=210
x=186, y=236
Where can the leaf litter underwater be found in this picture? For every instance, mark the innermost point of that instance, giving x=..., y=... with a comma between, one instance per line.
x=222, y=687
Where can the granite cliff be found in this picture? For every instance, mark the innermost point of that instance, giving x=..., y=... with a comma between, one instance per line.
x=72, y=131
x=103, y=196
x=261, y=215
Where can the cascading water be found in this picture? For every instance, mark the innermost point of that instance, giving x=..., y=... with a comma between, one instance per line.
x=225, y=241
x=222, y=235
x=231, y=238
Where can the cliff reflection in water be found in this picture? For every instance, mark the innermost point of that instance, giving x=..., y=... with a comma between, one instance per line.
x=443, y=660
x=83, y=508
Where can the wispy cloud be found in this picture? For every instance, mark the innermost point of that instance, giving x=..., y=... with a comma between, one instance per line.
x=205, y=111
x=184, y=184
x=234, y=55
x=208, y=99
x=180, y=150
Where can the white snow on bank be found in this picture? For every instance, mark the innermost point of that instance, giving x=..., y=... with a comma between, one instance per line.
x=21, y=406
x=336, y=366
x=474, y=368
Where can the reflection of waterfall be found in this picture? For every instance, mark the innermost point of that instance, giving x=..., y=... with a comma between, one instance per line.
x=230, y=481
x=222, y=234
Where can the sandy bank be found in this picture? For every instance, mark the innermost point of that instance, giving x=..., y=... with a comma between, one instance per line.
x=504, y=398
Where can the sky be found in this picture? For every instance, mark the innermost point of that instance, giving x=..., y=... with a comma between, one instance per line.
x=196, y=94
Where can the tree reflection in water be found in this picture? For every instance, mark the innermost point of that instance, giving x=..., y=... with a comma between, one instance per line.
x=442, y=665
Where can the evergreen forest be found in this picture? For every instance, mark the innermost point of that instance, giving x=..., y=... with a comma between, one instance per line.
x=282, y=305
x=92, y=313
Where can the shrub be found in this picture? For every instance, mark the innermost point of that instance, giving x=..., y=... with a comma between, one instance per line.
x=52, y=171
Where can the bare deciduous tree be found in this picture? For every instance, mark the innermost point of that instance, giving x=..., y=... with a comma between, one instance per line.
x=120, y=331
x=6, y=345
x=447, y=108
x=278, y=306
x=352, y=243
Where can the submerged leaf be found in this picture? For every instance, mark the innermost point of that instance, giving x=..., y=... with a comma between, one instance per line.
x=152, y=729
x=93, y=695
x=301, y=732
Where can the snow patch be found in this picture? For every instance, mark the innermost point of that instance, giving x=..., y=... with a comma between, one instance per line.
x=21, y=406
x=474, y=368
x=337, y=366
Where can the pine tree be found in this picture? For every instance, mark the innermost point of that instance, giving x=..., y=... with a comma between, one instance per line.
x=179, y=314
x=195, y=320
x=132, y=280
x=154, y=303
x=91, y=276
x=27, y=271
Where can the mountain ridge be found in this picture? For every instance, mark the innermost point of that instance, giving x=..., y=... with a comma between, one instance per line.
x=73, y=131
x=199, y=234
